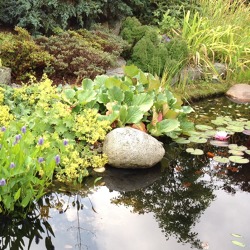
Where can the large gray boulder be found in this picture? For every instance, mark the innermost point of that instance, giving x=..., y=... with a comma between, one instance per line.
x=239, y=93
x=131, y=148
x=5, y=75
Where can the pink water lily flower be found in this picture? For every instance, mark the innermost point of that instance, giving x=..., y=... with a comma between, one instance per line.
x=221, y=135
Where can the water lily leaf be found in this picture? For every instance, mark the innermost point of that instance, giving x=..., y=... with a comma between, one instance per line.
x=236, y=147
x=220, y=159
x=219, y=143
x=235, y=152
x=237, y=235
x=237, y=243
x=182, y=140
x=197, y=139
x=238, y=159
x=203, y=127
x=247, y=152
x=194, y=151
x=210, y=133
x=235, y=128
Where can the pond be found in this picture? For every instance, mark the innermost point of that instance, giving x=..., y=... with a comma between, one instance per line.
x=185, y=202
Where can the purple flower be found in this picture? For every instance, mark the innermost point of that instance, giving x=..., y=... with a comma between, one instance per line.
x=57, y=159
x=2, y=182
x=40, y=159
x=41, y=141
x=12, y=165
x=17, y=139
x=3, y=129
x=23, y=129
x=65, y=142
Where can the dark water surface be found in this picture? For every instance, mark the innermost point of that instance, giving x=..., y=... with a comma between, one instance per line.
x=185, y=202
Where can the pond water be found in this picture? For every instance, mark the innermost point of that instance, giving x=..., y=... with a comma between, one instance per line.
x=185, y=202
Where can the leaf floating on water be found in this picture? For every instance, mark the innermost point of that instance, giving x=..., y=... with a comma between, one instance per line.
x=238, y=159
x=247, y=152
x=182, y=140
x=236, y=147
x=237, y=243
x=246, y=132
x=237, y=235
x=203, y=127
x=219, y=143
x=221, y=159
x=195, y=151
x=235, y=152
x=197, y=139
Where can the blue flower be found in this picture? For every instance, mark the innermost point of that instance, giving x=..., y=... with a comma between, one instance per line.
x=12, y=165
x=3, y=129
x=40, y=159
x=23, y=129
x=41, y=141
x=2, y=182
x=57, y=159
x=65, y=142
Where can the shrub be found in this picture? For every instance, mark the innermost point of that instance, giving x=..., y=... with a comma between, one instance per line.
x=21, y=53
x=81, y=53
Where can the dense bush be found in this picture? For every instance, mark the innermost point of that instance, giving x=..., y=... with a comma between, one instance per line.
x=68, y=55
x=82, y=53
x=22, y=54
x=43, y=16
x=151, y=51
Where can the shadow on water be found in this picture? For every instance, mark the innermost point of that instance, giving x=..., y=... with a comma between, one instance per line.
x=177, y=192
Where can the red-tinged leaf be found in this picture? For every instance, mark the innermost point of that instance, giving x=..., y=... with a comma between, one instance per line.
x=210, y=154
x=160, y=117
x=140, y=126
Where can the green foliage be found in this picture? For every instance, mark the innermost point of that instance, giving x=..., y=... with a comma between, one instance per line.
x=23, y=55
x=218, y=36
x=82, y=53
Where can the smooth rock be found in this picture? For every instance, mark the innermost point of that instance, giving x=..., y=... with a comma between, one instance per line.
x=5, y=75
x=239, y=93
x=131, y=148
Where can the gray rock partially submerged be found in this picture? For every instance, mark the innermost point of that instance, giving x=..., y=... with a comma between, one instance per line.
x=239, y=93
x=131, y=148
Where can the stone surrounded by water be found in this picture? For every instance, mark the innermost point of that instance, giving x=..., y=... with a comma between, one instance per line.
x=239, y=93
x=5, y=75
x=132, y=148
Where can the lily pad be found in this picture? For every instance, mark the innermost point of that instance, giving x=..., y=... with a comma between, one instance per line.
x=235, y=128
x=238, y=159
x=194, y=151
x=203, y=127
x=221, y=159
x=236, y=147
x=218, y=143
x=247, y=152
x=182, y=140
x=235, y=152
x=197, y=139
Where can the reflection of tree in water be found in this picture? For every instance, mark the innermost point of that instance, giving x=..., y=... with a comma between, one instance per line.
x=177, y=199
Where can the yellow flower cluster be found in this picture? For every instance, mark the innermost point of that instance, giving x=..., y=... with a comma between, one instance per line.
x=88, y=128
x=1, y=95
x=98, y=161
x=5, y=116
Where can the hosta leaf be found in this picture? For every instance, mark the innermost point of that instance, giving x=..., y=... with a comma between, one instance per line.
x=238, y=159
x=220, y=159
x=134, y=114
x=237, y=243
x=144, y=101
x=167, y=125
x=116, y=94
x=131, y=70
